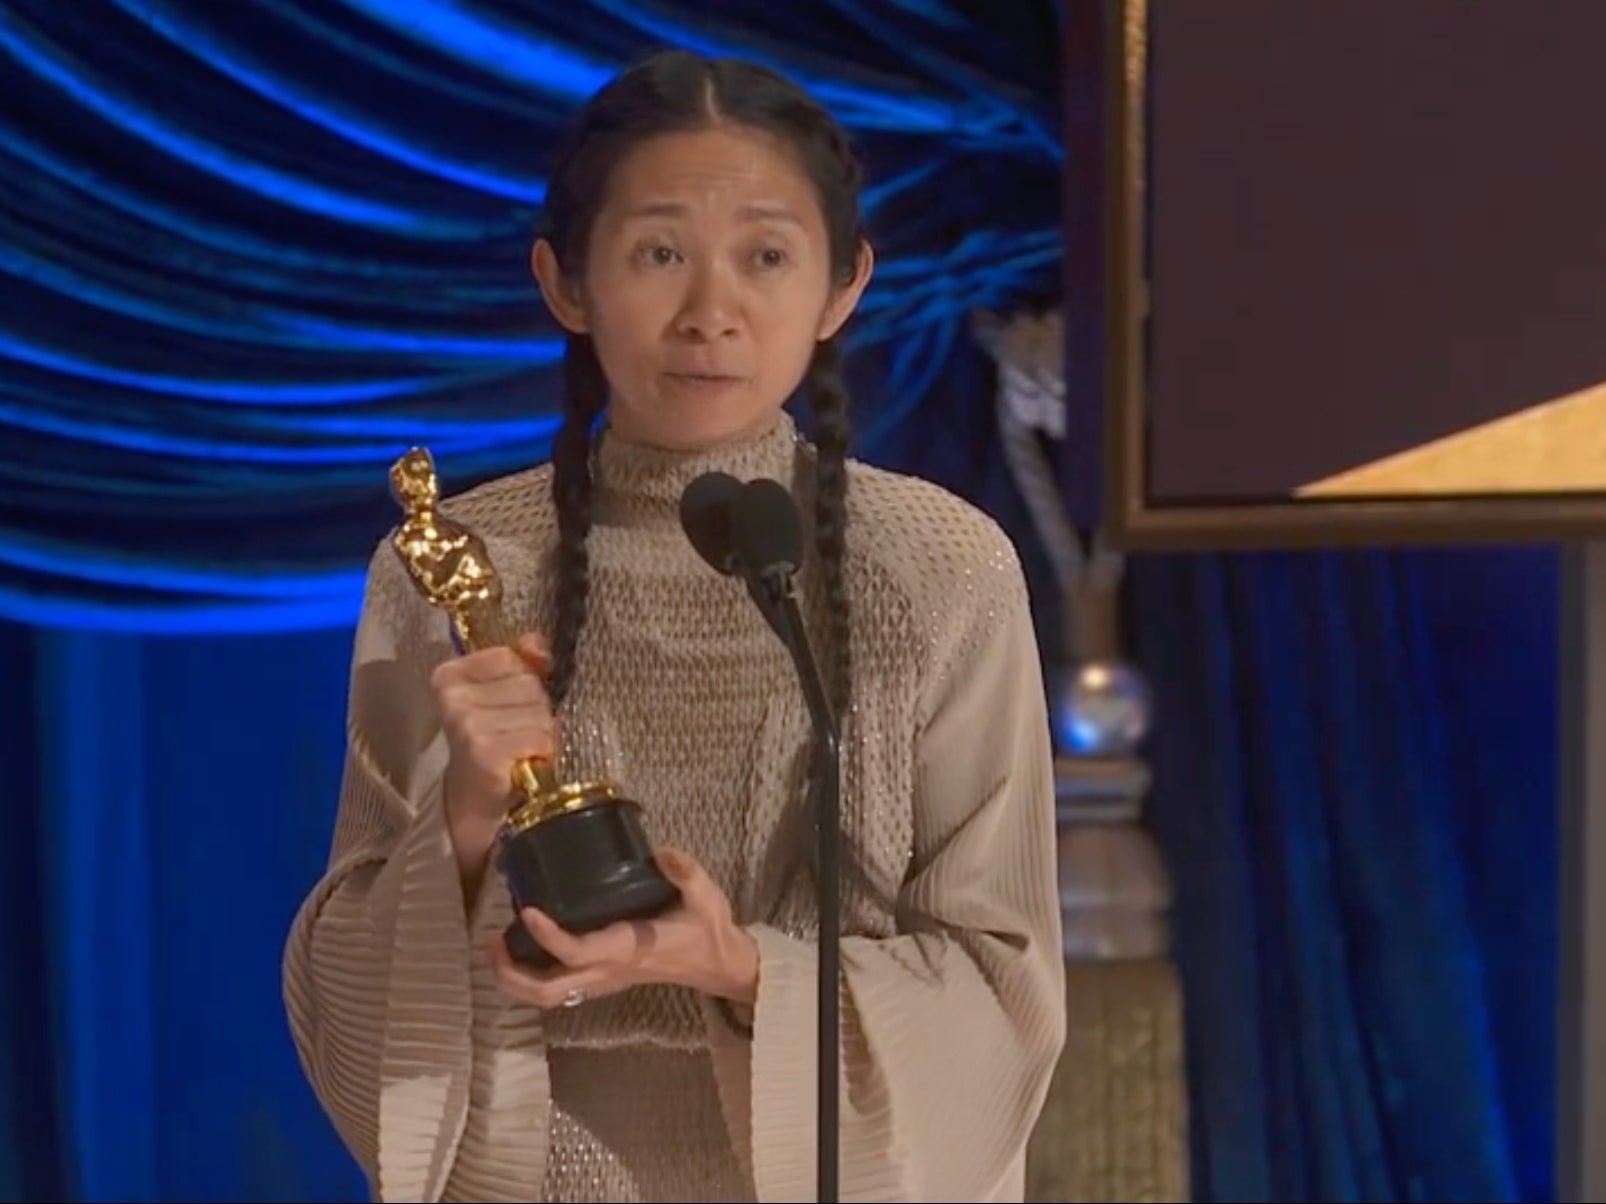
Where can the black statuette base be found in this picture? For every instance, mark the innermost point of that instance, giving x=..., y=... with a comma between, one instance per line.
x=585, y=868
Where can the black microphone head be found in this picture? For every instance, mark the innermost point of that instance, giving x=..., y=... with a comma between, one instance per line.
x=707, y=508
x=767, y=528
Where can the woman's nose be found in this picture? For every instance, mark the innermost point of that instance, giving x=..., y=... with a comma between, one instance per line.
x=709, y=309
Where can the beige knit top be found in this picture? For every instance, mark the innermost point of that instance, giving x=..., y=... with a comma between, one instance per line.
x=953, y=1012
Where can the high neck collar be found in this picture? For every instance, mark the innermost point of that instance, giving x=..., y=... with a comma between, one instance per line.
x=639, y=481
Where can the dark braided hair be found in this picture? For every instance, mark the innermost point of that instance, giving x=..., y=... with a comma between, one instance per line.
x=585, y=394
x=669, y=92
x=832, y=434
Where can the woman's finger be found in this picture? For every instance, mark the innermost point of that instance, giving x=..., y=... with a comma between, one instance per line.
x=523, y=692
x=485, y=665
x=532, y=647
x=623, y=944
x=570, y=949
x=552, y=988
x=698, y=891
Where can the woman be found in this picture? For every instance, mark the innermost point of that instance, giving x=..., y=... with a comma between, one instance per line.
x=702, y=247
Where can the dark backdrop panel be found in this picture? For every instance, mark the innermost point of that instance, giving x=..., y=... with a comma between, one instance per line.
x=1370, y=226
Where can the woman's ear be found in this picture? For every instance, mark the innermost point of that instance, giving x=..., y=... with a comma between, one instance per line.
x=846, y=299
x=561, y=295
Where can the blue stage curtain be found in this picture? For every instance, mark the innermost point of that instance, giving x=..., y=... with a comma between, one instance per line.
x=1355, y=789
x=250, y=251
x=175, y=801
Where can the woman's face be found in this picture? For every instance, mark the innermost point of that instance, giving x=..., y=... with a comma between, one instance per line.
x=706, y=286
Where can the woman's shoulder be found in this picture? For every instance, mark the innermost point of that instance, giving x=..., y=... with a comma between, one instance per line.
x=939, y=547
x=514, y=505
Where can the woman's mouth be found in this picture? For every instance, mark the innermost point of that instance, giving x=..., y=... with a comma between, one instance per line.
x=702, y=384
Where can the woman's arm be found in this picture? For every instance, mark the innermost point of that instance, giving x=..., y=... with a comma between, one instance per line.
x=951, y=1030
x=376, y=968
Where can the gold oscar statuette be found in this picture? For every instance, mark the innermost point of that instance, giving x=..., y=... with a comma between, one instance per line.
x=575, y=850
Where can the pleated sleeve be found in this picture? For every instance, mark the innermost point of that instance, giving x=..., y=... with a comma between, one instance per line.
x=951, y=1029
x=376, y=970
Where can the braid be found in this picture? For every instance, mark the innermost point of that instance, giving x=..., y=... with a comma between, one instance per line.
x=585, y=394
x=832, y=432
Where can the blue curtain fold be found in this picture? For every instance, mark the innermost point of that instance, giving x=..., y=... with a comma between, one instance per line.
x=175, y=801
x=31, y=1161
x=1355, y=791
x=98, y=914
x=250, y=252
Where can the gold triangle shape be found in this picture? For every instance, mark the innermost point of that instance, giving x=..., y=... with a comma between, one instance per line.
x=1557, y=446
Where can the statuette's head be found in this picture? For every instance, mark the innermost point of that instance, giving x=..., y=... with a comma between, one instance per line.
x=413, y=482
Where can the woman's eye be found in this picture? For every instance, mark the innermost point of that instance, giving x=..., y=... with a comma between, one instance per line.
x=659, y=255
x=771, y=257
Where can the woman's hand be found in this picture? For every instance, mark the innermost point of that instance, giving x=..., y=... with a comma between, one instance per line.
x=495, y=711
x=698, y=944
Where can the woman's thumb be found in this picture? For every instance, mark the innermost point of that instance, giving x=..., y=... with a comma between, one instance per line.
x=676, y=866
x=696, y=888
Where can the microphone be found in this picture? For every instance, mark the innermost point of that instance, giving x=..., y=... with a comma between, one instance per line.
x=705, y=516
x=767, y=530
x=755, y=531
x=751, y=532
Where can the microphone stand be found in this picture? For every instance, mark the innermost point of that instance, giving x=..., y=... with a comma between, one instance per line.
x=774, y=593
